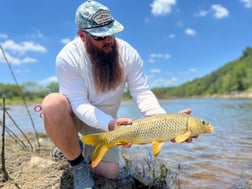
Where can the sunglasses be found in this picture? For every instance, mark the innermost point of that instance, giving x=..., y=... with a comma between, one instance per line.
x=96, y=38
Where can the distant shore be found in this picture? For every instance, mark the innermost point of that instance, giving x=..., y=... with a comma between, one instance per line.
x=230, y=95
x=233, y=95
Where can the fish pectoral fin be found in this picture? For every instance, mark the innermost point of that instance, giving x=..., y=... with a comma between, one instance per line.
x=99, y=152
x=182, y=137
x=156, y=147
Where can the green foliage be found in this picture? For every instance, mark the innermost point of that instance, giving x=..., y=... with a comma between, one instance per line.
x=232, y=77
x=31, y=91
x=126, y=95
x=10, y=91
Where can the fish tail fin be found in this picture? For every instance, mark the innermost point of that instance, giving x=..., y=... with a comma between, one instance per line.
x=97, y=140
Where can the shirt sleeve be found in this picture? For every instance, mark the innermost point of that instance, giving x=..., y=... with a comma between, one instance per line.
x=139, y=89
x=73, y=87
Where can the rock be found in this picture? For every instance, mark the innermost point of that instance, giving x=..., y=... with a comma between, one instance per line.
x=39, y=162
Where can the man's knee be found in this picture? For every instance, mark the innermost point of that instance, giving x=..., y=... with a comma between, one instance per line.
x=107, y=170
x=112, y=173
x=55, y=100
x=55, y=106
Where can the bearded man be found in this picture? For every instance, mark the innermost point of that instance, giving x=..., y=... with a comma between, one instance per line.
x=93, y=71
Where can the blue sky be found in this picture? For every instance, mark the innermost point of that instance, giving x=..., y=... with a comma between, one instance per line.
x=178, y=40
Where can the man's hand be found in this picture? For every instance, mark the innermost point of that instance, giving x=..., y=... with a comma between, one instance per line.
x=113, y=124
x=186, y=111
x=189, y=140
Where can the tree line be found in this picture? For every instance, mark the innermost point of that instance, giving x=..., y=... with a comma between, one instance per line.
x=233, y=76
x=30, y=90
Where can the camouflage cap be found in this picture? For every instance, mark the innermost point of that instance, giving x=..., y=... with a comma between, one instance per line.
x=96, y=19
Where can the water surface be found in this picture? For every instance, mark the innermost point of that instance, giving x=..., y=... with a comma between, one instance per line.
x=219, y=160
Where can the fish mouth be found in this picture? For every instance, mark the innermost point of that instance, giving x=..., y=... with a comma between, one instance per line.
x=210, y=129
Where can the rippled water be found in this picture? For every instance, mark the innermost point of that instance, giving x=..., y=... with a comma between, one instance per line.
x=219, y=160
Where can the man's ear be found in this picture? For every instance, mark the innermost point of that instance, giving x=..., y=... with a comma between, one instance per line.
x=82, y=35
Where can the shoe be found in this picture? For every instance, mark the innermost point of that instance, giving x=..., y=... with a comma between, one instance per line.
x=57, y=154
x=82, y=177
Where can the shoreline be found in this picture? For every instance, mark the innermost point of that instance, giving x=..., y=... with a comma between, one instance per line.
x=233, y=95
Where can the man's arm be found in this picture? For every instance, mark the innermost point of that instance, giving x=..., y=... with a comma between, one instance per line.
x=73, y=87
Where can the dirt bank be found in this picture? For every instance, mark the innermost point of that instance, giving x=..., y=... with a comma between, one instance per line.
x=36, y=169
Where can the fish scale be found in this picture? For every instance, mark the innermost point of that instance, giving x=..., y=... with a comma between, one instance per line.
x=154, y=129
x=164, y=128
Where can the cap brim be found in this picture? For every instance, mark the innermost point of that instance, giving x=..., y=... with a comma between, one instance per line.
x=110, y=29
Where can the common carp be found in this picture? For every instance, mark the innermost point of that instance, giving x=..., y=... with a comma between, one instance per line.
x=155, y=129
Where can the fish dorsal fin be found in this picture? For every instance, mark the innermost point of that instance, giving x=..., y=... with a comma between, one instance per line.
x=156, y=147
x=182, y=137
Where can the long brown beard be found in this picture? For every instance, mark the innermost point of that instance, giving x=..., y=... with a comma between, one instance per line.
x=106, y=68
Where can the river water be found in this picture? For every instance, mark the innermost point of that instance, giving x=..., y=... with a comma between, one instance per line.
x=219, y=160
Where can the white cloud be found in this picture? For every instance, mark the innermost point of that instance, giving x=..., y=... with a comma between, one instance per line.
x=16, y=60
x=180, y=24
x=190, y=32
x=160, y=55
x=49, y=80
x=191, y=70
x=154, y=56
x=162, y=7
x=173, y=79
x=23, y=47
x=29, y=60
x=65, y=41
x=19, y=71
x=155, y=71
x=3, y=36
x=201, y=13
x=10, y=58
x=16, y=53
x=172, y=36
x=37, y=35
x=162, y=81
x=247, y=3
x=151, y=60
x=219, y=11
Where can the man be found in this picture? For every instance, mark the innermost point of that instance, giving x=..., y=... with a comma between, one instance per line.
x=92, y=72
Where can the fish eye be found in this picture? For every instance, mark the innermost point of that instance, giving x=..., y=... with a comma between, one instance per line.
x=203, y=122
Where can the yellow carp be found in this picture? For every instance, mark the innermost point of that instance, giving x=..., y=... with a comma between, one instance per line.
x=155, y=129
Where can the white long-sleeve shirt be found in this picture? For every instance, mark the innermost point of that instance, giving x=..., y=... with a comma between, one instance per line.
x=75, y=80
